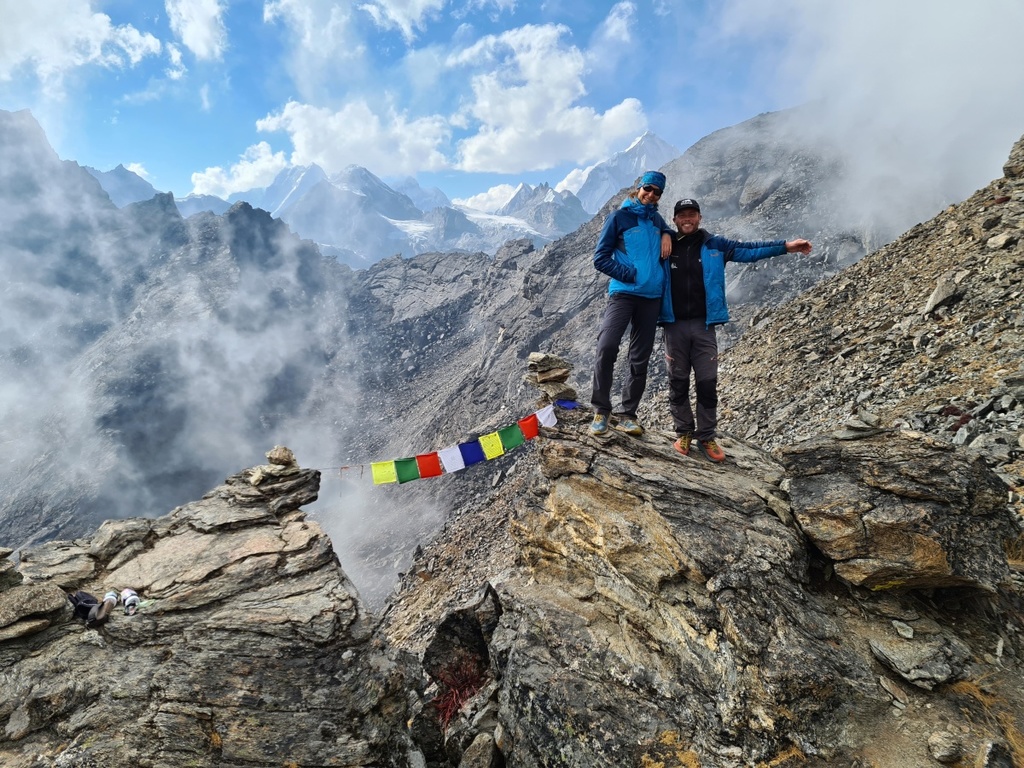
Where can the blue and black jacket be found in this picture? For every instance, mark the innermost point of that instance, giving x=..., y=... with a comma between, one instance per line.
x=629, y=250
x=714, y=253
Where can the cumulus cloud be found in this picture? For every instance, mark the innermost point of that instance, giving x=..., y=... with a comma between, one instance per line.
x=511, y=102
x=200, y=26
x=488, y=201
x=52, y=39
x=258, y=167
x=325, y=46
x=390, y=144
x=527, y=104
x=403, y=15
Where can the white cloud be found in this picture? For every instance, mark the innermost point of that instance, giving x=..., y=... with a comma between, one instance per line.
x=200, y=26
x=177, y=69
x=527, y=105
x=404, y=15
x=204, y=98
x=388, y=145
x=488, y=201
x=614, y=41
x=257, y=168
x=617, y=28
x=574, y=180
x=138, y=169
x=902, y=85
x=52, y=39
x=326, y=48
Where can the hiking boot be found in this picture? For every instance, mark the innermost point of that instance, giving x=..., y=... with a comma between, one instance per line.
x=629, y=426
x=599, y=425
x=682, y=444
x=713, y=450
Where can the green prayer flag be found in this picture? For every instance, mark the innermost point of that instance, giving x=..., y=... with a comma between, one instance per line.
x=407, y=470
x=511, y=436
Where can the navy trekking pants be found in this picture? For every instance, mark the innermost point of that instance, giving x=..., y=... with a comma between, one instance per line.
x=623, y=310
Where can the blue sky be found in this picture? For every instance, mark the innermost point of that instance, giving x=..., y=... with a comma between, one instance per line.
x=217, y=96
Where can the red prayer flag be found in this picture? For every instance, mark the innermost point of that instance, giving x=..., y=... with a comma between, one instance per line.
x=429, y=464
x=530, y=426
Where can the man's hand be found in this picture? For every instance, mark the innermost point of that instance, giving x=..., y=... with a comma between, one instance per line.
x=666, y=245
x=798, y=246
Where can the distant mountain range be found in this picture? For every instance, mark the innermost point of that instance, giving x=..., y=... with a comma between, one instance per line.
x=359, y=219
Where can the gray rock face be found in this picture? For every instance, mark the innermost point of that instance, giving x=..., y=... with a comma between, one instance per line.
x=250, y=647
x=641, y=607
x=925, y=334
x=902, y=523
x=608, y=602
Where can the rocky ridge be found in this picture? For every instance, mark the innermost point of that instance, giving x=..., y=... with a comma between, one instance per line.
x=609, y=602
x=926, y=334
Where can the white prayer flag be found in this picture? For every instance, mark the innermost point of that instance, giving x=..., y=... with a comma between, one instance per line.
x=452, y=459
x=546, y=416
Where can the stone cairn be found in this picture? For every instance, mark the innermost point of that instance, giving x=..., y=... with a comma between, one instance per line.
x=549, y=374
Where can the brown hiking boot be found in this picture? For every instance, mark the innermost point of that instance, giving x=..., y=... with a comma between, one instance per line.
x=682, y=444
x=713, y=450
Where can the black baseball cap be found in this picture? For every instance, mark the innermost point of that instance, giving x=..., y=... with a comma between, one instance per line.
x=685, y=204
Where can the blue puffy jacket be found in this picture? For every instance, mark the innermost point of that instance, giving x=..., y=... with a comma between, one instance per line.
x=629, y=250
x=714, y=254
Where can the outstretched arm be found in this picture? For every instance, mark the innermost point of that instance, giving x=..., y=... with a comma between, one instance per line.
x=798, y=246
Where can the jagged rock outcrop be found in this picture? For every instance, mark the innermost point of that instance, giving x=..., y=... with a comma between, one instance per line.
x=608, y=602
x=622, y=605
x=251, y=646
x=903, y=510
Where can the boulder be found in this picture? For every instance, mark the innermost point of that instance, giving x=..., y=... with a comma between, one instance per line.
x=902, y=510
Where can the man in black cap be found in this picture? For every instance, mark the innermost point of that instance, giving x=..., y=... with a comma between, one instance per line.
x=692, y=311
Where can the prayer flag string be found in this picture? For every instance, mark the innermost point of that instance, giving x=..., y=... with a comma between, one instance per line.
x=455, y=458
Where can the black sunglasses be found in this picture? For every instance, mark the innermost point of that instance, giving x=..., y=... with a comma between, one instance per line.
x=651, y=189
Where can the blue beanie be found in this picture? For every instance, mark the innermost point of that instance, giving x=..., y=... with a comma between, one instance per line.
x=657, y=178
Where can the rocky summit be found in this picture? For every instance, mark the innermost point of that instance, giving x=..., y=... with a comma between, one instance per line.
x=250, y=645
x=609, y=603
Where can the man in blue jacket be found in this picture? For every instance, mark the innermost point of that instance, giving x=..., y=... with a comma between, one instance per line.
x=693, y=309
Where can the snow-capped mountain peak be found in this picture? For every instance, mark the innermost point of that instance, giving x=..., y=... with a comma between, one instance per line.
x=607, y=178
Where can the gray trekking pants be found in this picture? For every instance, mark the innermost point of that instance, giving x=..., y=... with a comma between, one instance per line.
x=691, y=346
x=624, y=310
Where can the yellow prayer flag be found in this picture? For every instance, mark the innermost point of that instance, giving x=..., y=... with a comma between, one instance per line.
x=384, y=472
x=492, y=445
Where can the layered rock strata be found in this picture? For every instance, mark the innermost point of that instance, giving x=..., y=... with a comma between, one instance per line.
x=250, y=646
